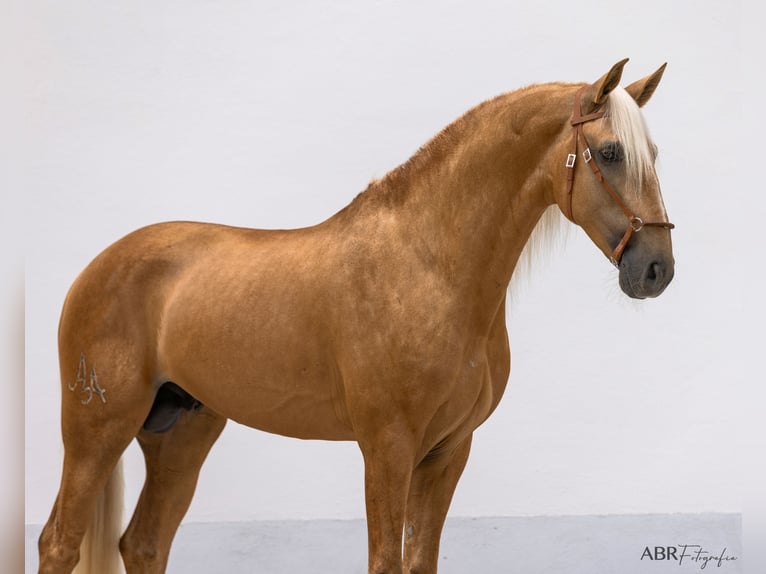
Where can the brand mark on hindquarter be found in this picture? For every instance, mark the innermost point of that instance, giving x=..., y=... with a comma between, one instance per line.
x=88, y=384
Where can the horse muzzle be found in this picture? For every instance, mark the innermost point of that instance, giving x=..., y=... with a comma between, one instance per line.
x=645, y=277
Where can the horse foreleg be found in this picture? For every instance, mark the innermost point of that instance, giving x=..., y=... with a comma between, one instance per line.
x=388, y=463
x=431, y=489
x=173, y=462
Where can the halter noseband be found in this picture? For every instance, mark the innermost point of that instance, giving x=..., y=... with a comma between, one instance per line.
x=635, y=223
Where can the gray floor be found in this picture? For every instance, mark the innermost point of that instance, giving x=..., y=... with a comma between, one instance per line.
x=536, y=545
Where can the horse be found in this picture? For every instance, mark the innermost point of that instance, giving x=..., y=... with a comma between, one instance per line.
x=385, y=324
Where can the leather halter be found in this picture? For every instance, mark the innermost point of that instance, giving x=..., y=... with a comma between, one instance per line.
x=635, y=223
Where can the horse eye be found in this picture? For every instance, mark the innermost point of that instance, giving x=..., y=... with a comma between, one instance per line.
x=611, y=152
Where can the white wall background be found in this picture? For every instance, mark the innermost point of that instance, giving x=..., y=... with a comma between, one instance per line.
x=274, y=114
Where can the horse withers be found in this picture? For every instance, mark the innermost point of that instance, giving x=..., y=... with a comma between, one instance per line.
x=384, y=324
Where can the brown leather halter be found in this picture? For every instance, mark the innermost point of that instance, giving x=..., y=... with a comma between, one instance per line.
x=635, y=223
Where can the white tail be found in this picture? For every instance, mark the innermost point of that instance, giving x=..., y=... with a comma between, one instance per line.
x=99, y=552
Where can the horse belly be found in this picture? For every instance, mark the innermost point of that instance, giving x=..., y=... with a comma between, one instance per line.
x=297, y=409
x=271, y=371
x=301, y=399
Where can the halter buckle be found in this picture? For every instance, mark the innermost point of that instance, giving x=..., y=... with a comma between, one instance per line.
x=571, y=160
x=586, y=155
x=636, y=223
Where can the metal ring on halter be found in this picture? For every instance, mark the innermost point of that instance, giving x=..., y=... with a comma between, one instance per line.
x=636, y=223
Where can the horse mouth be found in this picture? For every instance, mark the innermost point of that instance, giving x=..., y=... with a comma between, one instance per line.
x=630, y=291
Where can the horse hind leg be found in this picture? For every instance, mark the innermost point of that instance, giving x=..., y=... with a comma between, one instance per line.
x=86, y=518
x=101, y=413
x=175, y=448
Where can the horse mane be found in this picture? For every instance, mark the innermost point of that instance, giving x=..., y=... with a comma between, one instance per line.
x=549, y=233
x=627, y=122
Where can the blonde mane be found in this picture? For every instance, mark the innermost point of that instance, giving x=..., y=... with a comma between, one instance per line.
x=630, y=129
x=549, y=233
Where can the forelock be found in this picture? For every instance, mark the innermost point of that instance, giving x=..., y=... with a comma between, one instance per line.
x=630, y=129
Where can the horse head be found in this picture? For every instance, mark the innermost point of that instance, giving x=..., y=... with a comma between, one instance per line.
x=612, y=190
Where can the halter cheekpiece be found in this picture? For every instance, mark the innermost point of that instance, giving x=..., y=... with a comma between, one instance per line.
x=635, y=223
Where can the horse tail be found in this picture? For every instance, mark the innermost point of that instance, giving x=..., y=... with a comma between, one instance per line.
x=99, y=551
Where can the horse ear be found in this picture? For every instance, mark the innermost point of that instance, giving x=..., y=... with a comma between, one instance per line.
x=595, y=95
x=643, y=89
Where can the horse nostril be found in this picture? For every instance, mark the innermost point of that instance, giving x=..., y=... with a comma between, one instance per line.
x=648, y=280
x=655, y=272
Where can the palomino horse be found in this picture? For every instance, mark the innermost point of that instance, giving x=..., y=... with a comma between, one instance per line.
x=385, y=324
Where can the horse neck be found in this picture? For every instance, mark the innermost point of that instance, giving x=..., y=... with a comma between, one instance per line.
x=470, y=199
